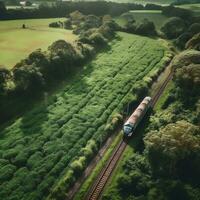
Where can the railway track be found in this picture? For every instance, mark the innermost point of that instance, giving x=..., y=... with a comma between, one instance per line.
x=97, y=188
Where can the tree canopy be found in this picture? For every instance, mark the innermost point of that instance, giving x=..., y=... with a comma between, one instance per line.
x=170, y=150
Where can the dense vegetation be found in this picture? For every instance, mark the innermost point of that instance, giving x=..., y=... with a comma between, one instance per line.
x=44, y=151
x=168, y=166
x=61, y=9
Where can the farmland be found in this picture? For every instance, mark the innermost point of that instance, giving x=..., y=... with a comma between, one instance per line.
x=13, y=49
x=36, y=150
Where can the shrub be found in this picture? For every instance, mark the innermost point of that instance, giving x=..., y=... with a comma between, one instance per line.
x=7, y=172
x=97, y=40
x=194, y=28
x=194, y=42
x=182, y=40
x=146, y=27
x=173, y=27
x=55, y=25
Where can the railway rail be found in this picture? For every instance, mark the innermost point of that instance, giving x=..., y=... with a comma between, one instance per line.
x=98, y=186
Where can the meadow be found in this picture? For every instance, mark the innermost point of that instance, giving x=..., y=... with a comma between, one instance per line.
x=39, y=150
x=144, y=2
x=17, y=43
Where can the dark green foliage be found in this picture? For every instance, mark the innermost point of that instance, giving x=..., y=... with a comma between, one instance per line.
x=194, y=42
x=55, y=25
x=6, y=172
x=67, y=24
x=194, y=28
x=28, y=78
x=172, y=11
x=174, y=145
x=173, y=27
x=187, y=73
x=182, y=40
x=146, y=27
x=4, y=76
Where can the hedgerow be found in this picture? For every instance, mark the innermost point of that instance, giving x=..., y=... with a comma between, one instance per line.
x=75, y=121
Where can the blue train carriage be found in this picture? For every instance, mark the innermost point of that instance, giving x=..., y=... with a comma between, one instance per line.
x=136, y=117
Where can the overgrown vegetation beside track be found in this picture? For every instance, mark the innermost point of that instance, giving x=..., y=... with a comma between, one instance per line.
x=166, y=167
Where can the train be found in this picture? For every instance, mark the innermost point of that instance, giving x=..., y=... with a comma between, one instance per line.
x=133, y=121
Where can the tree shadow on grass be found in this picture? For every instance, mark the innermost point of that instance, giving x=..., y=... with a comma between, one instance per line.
x=33, y=120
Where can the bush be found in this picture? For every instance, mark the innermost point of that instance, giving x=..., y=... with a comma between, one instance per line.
x=146, y=27
x=28, y=79
x=78, y=165
x=182, y=40
x=7, y=172
x=67, y=24
x=194, y=43
x=97, y=40
x=194, y=28
x=174, y=145
x=55, y=25
x=172, y=11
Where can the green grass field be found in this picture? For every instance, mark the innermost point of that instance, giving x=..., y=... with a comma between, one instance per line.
x=16, y=43
x=152, y=15
x=36, y=150
x=160, y=2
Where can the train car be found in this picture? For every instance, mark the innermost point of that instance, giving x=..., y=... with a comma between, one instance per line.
x=136, y=117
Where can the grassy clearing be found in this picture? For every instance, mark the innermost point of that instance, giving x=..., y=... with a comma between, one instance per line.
x=152, y=15
x=144, y=2
x=193, y=7
x=36, y=150
x=16, y=43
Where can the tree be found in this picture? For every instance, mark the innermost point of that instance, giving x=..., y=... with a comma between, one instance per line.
x=2, y=9
x=188, y=79
x=146, y=27
x=76, y=17
x=194, y=28
x=174, y=151
x=128, y=17
x=187, y=74
x=182, y=40
x=67, y=24
x=173, y=27
x=194, y=42
x=28, y=79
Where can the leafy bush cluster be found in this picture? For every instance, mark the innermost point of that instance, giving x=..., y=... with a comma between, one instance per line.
x=145, y=27
x=182, y=27
x=168, y=168
x=45, y=151
x=94, y=30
